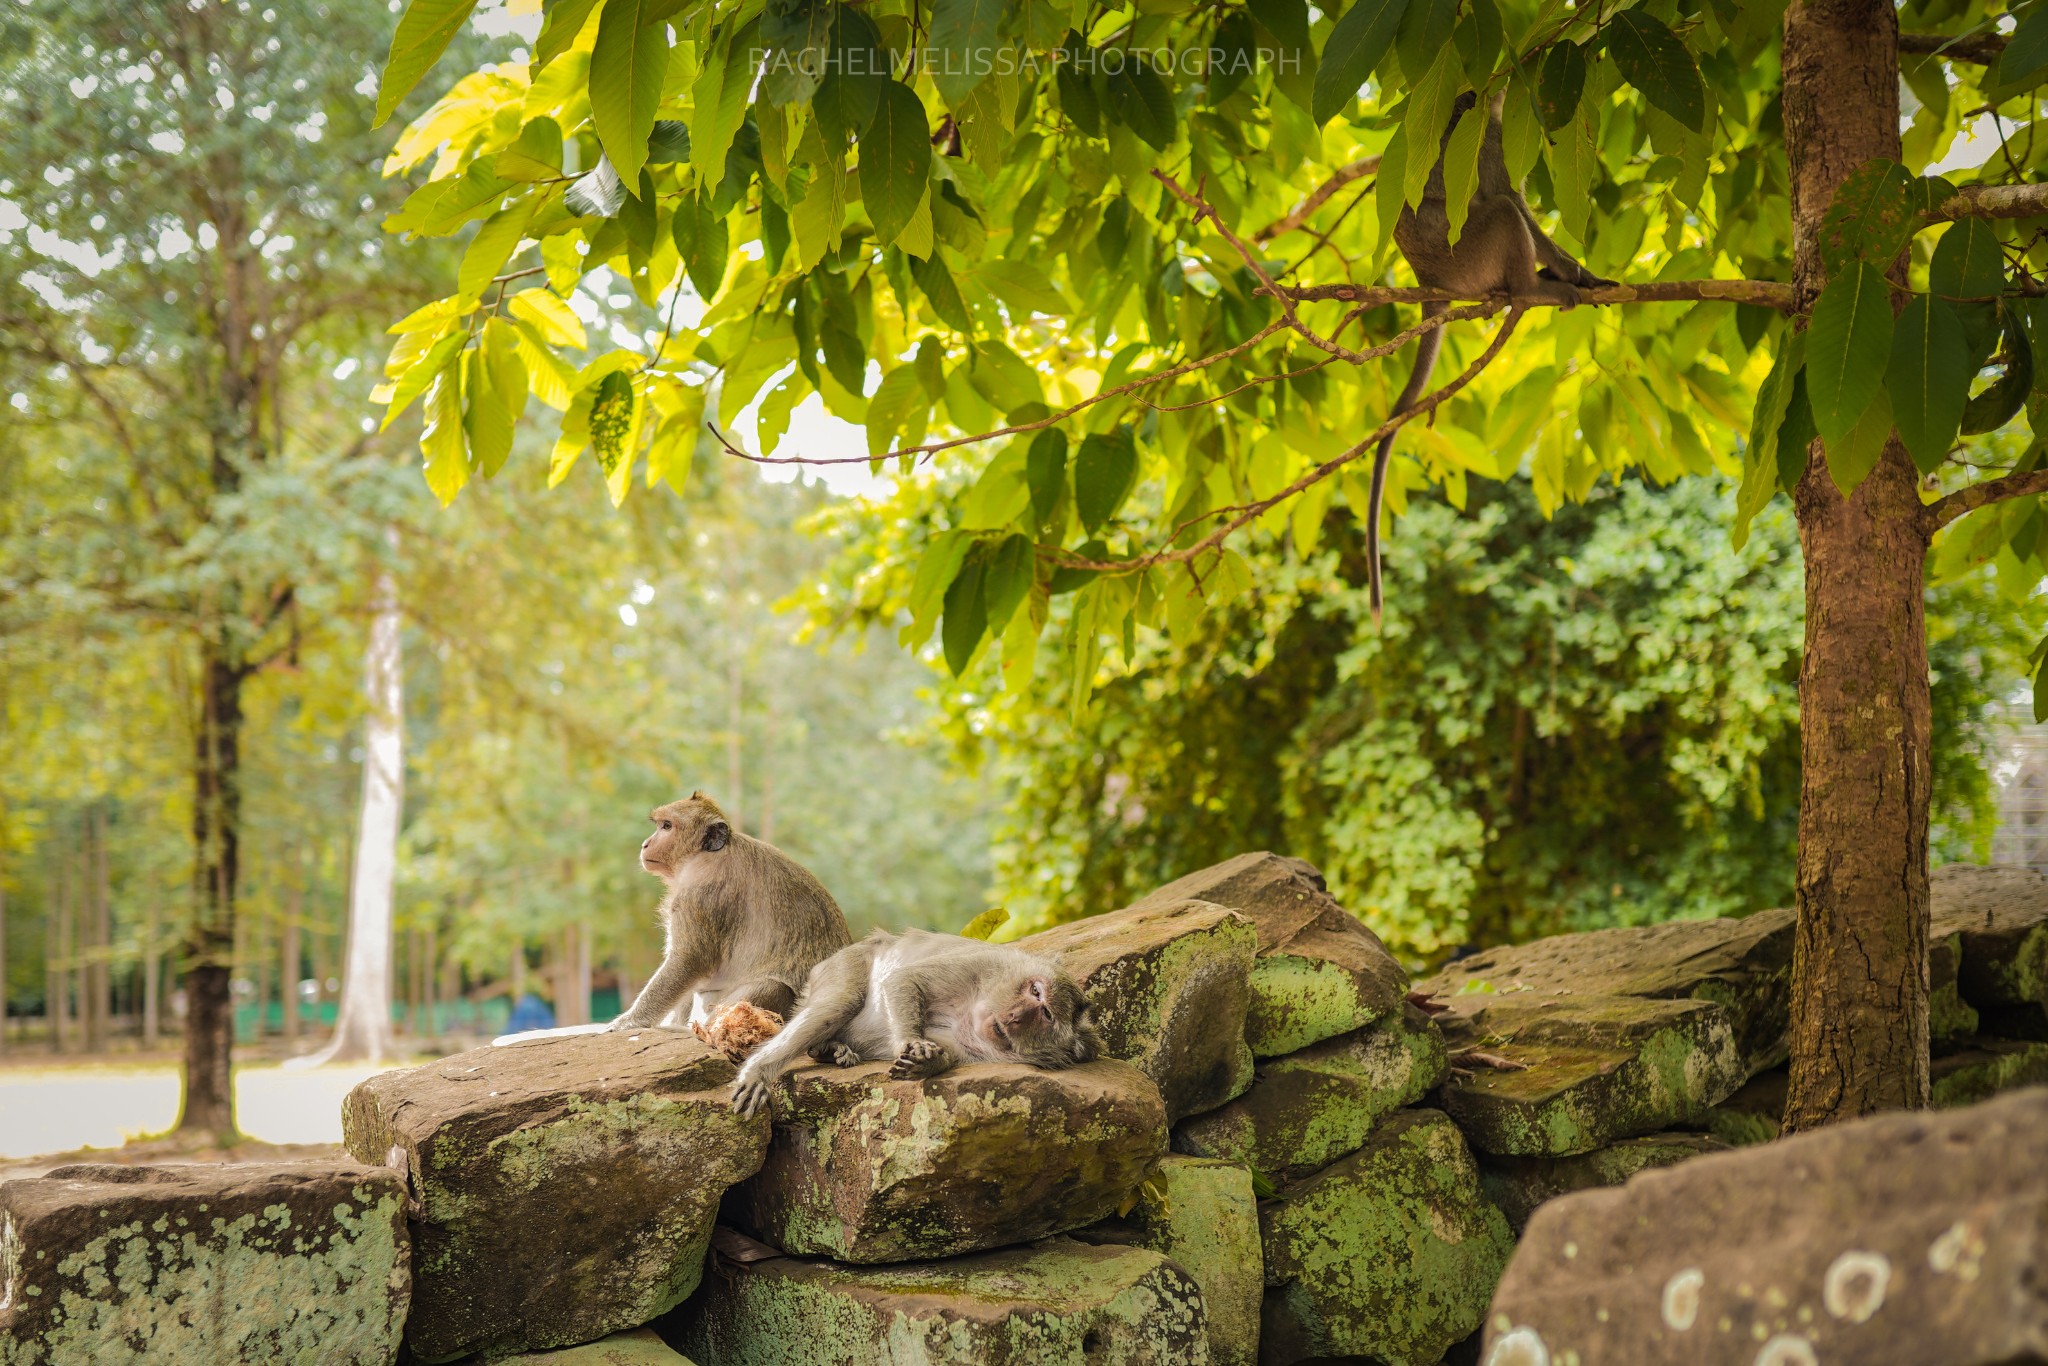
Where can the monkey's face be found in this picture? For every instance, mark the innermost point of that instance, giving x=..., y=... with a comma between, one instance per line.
x=1048, y=1023
x=684, y=831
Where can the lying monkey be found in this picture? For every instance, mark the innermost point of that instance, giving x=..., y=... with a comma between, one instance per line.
x=746, y=923
x=1502, y=250
x=929, y=1002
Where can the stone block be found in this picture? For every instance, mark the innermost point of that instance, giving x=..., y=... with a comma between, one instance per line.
x=2001, y=913
x=1391, y=1253
x=1519, y=1184
x=565, y=1188
x=1308, y=1109
x=1744, y=966
x=1592, y=1069
x=1319, y=973
x=640, y=1347
x=297, y=1264
x=1170, y=987
x=1054, y=1303
x=866, y=1169
x=1978, y=1069
x=1202, y=1216
x=1897, y=1240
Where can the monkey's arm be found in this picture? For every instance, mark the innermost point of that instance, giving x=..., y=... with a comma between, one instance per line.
x=834, y=995
x=688, y=960
x=905, y=1000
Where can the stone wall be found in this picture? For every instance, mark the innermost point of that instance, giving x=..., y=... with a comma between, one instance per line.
x=1293, y=1153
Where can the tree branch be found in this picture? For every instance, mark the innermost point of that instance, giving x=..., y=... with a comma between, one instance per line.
x=1994, y=201
x=1763, y=293
x=1981, y=48
x=1320, y=196
x=1248, y=512
x=1942, y=511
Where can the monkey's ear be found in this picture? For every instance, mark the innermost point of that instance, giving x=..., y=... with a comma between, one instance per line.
x=716, y=836
x=696, y=794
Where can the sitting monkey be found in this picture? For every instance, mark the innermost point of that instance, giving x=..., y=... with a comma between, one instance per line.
x=746, y=923
x=928, y=1001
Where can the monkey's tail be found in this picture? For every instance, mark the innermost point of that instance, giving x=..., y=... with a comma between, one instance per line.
x=1427, y=346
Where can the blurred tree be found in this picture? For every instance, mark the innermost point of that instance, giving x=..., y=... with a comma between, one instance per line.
x=200, y=257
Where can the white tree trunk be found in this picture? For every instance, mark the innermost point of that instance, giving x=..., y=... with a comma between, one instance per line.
x=362, y=1031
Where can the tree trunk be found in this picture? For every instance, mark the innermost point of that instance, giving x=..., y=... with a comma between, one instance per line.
x=209, y=1100
x=152, y=976
x=289, y=959
x=98, y=968
x=57, y=951
x=362, y=1031
x=1859, y=962
x=3, y=959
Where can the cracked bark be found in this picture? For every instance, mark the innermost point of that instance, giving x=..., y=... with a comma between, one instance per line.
x=1859, y=966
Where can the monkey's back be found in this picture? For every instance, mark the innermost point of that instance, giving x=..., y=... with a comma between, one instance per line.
x=785, y=922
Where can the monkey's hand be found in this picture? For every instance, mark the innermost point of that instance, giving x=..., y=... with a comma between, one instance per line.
x=836, y=1053
x=920, y=1058
x=751, y=1091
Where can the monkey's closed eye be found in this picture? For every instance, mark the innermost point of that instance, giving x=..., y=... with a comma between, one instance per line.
x=666, y=826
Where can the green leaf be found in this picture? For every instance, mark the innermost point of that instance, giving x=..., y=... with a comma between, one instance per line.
x=1428, y=114
x=491, y=248
x=1105, y=471
x=1968, y=272
x=935, y=571
x=965, y=621
x=1461, y=169
x=494, y=397
x=701, y=240
x=846, y=98
x=890, y=407
x=985, y=924
x=1355, y=46
x=1574, y=172
x=720, y=95
x=1874, y=213
x=597, y=193
x=1851, y=459
x=963, y=40
x=424, y=371
x=1760, y=457
x=1651, y=59
x=940, y=290
x=1045, y=470
x=668, y=142
x=2002, y=399
x=1007, y=582
x=418, y=42
x=1233, y=57
x=441, y=441
x=535, y=155
x=611, y=419
x=895, y=160
x=1929, y=380
x=626, y=70
x=799, y=35
x=1077, y=92
x=565, y=21
x=1425, y=38
x=1795, y=438
x=1847, y=345
x=1561, y=84
x=1141, y=102
x=2026, y=52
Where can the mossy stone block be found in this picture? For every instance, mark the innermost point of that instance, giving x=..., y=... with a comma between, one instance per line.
x=867, y=1169
x=1391, y=1253
x=2001, y=913
x=1519, y=1184
x=262, y=1264
x=1203, y=1216
x=1979, y=1069
x=640, y=1347
x=1319, y=973
x=1170, y=987
x=1306, y=1110
x=1592, y=1070
x=565, y=1188
x=1054, y=1303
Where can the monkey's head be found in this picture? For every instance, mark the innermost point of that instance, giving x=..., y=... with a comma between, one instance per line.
x=693, y=828
x=1048, y=1021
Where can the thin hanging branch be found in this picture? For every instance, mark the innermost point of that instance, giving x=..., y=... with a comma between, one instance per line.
x=1320, y=196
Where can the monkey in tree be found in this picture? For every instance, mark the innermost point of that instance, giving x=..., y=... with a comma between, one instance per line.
x=928, y=1002
x=1502, y=250
x=745, y=922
